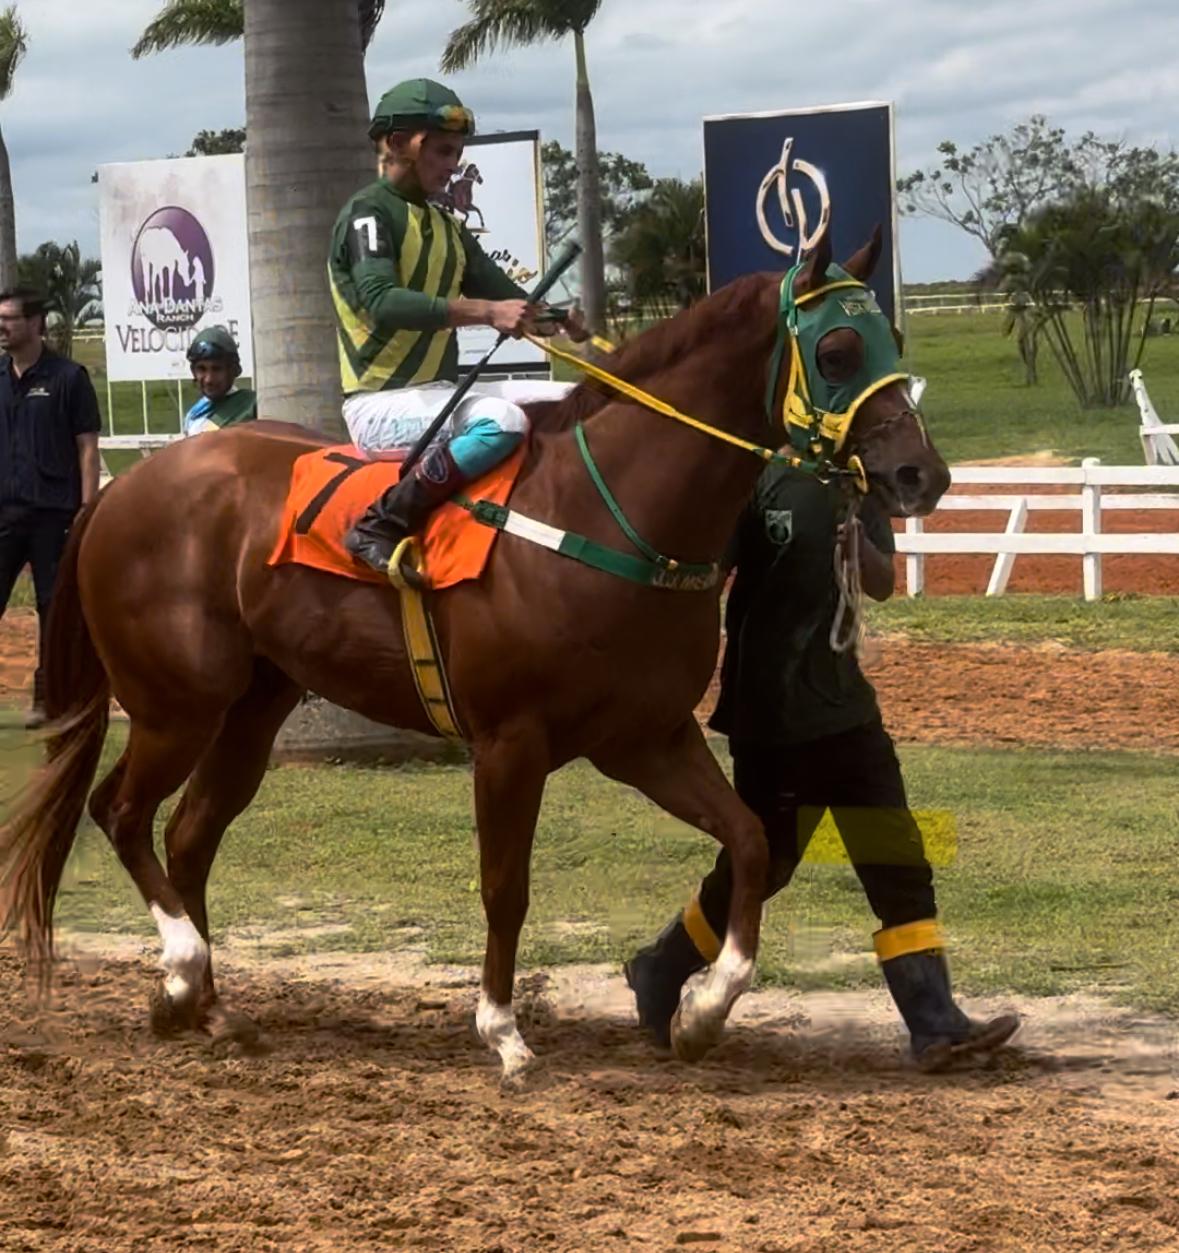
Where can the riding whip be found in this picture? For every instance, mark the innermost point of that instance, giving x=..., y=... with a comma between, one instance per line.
x=565, y=259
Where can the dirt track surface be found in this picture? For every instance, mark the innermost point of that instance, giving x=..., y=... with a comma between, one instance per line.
x=375, y=1121
x=997, y=694
x=1007, y=695
x=1046, y=696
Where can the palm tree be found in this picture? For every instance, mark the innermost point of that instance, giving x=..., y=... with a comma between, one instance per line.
x=13, y=45
x=221, y=22
x=520, y=23
x=307, y=152
x=661, y=245
x=71, y=284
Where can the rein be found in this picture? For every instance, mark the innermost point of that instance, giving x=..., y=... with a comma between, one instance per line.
x=847, y=625
x=653, y=568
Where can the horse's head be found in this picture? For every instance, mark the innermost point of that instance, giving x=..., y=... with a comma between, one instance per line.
x=845, y=395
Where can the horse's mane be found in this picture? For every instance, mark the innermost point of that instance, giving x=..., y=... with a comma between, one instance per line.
x=650, y=352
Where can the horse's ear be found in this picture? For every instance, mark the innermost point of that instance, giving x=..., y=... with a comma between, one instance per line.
x=814, y=271
x=861, y=264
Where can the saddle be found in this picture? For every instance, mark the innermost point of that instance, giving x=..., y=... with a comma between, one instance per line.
x=332, y=487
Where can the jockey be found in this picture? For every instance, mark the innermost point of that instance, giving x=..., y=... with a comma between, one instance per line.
x=216, y=367
x=404, y=275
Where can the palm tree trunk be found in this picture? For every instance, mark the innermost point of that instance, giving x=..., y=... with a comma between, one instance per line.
x=589, y=199
x=306, y=153
x=8, y=277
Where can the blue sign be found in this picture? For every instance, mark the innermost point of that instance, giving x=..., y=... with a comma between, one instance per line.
x=774, y=181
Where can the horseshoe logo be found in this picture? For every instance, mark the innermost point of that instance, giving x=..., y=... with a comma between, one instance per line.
x=791, y=203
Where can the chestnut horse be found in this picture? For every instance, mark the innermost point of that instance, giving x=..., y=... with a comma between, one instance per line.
x=165, y=599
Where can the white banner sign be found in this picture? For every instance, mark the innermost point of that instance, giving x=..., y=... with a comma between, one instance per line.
x=174, y=260
x=501, y=183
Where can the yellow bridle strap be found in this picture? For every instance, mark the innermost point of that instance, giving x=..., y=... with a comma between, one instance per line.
x=807, y=297
x=652, y=402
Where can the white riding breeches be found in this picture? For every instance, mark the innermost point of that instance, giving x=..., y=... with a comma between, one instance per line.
x=391, y=421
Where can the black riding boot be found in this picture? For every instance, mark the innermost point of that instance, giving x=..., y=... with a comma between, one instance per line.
x=656, y=975
x=403, y=509
x=940, y=1031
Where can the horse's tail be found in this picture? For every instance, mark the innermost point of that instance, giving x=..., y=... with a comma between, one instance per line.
x=36, y=839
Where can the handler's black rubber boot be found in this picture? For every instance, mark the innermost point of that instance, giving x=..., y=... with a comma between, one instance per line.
x=403, y=509
x=656, y=975
x=941, y=1033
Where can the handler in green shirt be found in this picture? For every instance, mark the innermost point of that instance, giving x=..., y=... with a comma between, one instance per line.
x=806, y=736
x=404, y=276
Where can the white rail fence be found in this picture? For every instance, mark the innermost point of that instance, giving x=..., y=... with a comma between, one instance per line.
x=1090, y=543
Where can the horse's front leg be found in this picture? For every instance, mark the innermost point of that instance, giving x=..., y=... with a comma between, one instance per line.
x=510, y=773
x=682, y=776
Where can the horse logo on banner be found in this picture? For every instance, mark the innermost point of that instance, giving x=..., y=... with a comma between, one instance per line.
x=792, y=205
x=459, y=198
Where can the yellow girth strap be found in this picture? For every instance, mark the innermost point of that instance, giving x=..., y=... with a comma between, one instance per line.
x=421, y=643
x=913, y=937
x=700, y=931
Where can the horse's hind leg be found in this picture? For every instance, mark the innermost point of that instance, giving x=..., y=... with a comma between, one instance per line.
x=156, y=762
x=510, y=775
x=225, y=781
x=682, y=776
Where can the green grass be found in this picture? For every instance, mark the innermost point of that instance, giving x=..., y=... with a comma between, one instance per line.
x=1134, y=623
x=1064, y=878
x=979, y=406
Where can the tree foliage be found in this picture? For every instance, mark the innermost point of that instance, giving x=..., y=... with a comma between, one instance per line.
x=994, y=186
x=1094, y=263
x=181, y=22
x=1082, y=234
x=71, y=284
x=218, y=143
x=14, y=43
x=661, y=247
x=623, y=181
x=514, y=24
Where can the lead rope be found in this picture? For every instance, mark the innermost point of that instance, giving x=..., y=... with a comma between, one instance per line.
x=847, y=626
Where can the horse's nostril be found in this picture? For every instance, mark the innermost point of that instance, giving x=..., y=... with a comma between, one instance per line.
x=909, y=476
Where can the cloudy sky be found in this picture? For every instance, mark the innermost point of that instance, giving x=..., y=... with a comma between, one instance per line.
x=959, y=69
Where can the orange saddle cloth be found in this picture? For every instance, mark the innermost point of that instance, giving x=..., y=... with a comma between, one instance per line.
x=330, y=489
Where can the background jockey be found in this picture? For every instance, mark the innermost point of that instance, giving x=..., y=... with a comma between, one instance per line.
x=404, y=275
x=216, y=367
x=806, y=735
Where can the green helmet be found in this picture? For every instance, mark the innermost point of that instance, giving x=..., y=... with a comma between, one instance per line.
x=211, y=344
x=421, y=104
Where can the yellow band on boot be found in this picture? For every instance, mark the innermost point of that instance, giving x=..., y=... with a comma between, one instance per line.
x=913, y=937
x=700, y=932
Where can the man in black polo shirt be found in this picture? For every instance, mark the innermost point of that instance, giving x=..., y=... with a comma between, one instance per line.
x=49, y=462
x=806, y=735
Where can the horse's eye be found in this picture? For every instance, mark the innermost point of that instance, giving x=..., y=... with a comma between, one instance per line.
x=839, y=363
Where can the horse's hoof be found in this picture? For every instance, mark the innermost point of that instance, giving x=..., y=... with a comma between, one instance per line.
x=518, y=1064
x=695, y=1035
x=168, y=1016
